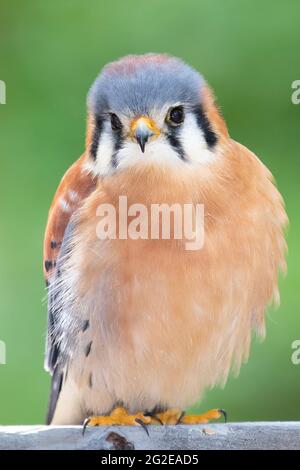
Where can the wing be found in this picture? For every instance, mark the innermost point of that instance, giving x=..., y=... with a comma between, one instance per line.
x=54, y=361
x=75, y=186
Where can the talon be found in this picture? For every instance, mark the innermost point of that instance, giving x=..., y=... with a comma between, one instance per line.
x=144, y=426
x=224, y=413
x=118, y=417
x=158, y=419
x=180, y=418
x=85, y=424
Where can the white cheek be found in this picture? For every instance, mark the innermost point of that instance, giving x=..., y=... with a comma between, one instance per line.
x=105, y=151
x=194, y=143
x=158, y=151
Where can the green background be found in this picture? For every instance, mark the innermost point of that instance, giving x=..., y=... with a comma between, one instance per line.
x=50, y=52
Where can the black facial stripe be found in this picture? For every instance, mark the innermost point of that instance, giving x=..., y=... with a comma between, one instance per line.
x=175, y=142
x=118, y=138
x=204, y=124
x=99, y=122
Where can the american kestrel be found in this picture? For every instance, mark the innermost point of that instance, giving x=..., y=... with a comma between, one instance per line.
x=138, y=328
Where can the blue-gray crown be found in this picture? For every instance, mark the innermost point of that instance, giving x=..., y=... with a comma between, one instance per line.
x=136, y=84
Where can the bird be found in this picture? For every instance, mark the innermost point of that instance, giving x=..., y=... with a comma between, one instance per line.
x=139, y=328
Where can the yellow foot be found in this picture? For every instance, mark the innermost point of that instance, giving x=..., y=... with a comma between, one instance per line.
x=171, y=416
x=176, y=416
x=120, y=417
x=204, y=418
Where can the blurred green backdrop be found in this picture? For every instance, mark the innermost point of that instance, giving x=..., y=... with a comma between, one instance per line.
x=50, y=52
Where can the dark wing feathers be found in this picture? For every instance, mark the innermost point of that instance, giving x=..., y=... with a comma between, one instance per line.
x=54, y=361
x=75, y=186
x=56, y=384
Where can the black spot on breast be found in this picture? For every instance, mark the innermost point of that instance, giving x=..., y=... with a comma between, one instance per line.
x=85, y=325
x=48, y=265
x=53, y=244
x=88, y=348
x=91, y=380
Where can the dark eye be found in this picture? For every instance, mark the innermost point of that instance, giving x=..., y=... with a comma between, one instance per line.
x=176, y=115
x=116, y=124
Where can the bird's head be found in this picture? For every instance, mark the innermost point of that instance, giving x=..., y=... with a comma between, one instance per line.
x=149, y=108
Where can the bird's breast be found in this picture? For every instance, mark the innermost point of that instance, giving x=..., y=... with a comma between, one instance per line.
x=161, y=315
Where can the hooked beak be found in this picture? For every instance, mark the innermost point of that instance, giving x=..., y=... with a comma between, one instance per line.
x=143, y=128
